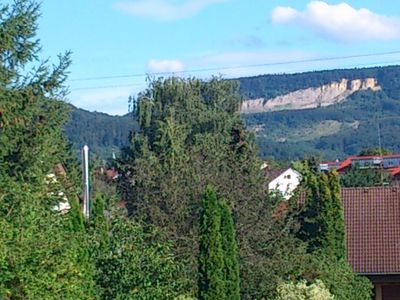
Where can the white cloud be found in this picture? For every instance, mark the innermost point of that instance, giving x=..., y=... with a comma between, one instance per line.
x=164, y=10
x=281, y=15
x=340, y=22
x=165, y=66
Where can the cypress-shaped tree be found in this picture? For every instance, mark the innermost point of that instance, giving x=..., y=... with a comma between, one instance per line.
x=211, y=284
x=230, y=252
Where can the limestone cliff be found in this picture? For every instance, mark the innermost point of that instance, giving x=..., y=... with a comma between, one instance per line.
x=324, y=95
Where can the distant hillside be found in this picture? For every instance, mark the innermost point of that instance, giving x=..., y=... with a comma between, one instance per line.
x=270, y=86
x=332, y=113
x=104, y=134
x=334, y=130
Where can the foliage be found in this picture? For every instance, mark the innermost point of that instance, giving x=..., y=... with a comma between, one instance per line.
x=374, y=151
x=338, y=277
x=218, y=257
x=303, y=291
x=322, y=228
x=211, y=254
x=131, y=263
x=43, y=255
x=357, y=177
x=322, y=222
x=191, y=135
x=230, y=255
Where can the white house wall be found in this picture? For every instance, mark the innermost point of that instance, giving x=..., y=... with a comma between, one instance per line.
x=285, y=183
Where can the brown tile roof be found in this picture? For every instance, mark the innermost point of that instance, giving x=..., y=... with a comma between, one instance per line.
x=271, y=173
x=372, y=218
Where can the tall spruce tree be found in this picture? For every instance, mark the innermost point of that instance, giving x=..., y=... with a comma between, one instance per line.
x=212, y=284
x=230, y=253
x=42, y=254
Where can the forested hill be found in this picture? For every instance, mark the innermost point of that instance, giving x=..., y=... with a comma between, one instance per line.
x=104, y=134
x=269, y=86
x=342, y=127
x=333, y=131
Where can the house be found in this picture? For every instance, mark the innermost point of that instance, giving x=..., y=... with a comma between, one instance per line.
x=388, y=162
x=283, y=182
x=329, y=165
x=372, y=222
x=372, y=229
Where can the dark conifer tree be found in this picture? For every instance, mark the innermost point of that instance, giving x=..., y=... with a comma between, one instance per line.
x=230, y=252
x=211, y=261
x=323, y=219
x=42, y=252
x=336, y=238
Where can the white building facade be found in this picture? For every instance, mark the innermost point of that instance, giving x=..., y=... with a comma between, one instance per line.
x=285, y=183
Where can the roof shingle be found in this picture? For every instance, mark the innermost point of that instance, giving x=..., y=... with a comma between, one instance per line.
x=372, y=218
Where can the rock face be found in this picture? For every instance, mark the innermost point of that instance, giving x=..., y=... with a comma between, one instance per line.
x=324, y=95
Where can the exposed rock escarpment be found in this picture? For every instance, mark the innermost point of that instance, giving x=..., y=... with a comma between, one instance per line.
x=324, y=95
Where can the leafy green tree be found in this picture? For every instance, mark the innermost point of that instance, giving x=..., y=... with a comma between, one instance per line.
x=338, y=277
x=42, y=256
x=211, y=255
x=131, y=263
x=190, y=135
x=230, y=253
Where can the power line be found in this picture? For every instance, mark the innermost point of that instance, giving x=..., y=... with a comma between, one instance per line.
x=108, y=86
x=236, y=67
x=143, y=85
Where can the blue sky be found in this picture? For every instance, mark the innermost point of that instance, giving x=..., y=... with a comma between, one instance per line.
x=110, y=38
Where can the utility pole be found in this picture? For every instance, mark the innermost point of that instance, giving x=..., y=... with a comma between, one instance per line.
x=85, y=182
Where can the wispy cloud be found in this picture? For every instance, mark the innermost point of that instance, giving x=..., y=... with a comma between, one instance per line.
x=340, y=22
x=164, y=10
x=165, y=66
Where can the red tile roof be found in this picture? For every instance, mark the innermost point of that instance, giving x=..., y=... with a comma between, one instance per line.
x=347, y=162
x=394, y=171
x=372, y=218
